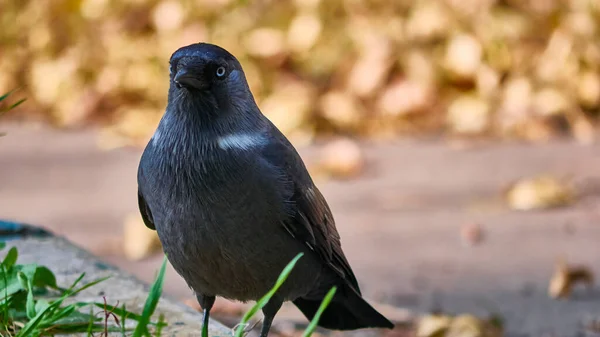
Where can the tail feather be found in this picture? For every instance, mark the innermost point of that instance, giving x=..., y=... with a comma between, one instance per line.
x=347, y=311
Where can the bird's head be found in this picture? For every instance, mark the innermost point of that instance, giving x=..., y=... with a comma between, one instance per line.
x=208, y=74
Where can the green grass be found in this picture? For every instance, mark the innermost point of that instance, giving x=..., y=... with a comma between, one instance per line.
x=4, y=97
x=4, y=107
x=239, y=332
x=151, y=302
x=32, y=304
x=265, y=299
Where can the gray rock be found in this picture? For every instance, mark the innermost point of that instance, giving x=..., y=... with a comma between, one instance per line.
x=68, y=262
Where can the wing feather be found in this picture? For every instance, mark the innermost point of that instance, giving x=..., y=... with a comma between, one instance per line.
x=145, y=211
x=311, y=220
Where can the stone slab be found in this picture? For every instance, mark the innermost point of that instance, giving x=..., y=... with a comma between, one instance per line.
x=68, y=262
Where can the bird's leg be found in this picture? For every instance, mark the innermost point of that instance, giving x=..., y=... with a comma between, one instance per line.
x=206, y=302
x=269, y=311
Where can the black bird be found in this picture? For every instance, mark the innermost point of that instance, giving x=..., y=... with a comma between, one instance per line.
x=233, y=202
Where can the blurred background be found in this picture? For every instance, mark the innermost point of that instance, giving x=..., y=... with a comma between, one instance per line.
x=456, y=141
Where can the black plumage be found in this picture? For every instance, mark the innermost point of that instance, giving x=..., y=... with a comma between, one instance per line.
x=233, y=202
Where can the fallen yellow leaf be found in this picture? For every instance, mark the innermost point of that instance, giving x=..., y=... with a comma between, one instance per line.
x=565, y=277
x=539, y=192
x=139, y=242
x=433, y=325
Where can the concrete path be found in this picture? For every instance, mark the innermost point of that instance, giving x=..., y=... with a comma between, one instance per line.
x=400, y=222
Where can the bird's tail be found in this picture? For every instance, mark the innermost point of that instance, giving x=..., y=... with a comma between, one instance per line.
x=347, y=311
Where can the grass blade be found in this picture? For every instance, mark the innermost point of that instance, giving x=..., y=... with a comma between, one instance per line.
x=151, y=302
x=70, y=292
x=63, y=312
x=88, y=285
x=11, y=258
x=313, y=324
x=30, y=304
x=50, y=311
x=40, y=305
x=161, y=323
x=14, y=105
x=32, y=325
x=265, y=299
x=91, y=323
x=123, y=318
x=5, y=96
x=74, y=284
x=5, y=305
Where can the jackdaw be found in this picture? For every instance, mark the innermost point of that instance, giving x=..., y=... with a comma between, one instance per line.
x=233, y=203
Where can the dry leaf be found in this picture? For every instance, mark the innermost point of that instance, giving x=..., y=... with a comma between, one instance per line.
x=369, y=72
x=405, y=97
x=459, y=326
x=583, y=130
x=341, y=158
x=134, y=128
x=538, y=193
x=288, y=107
x=139, y=241
x=588, y=89
x=487, y=81
x=466, y=326
x=307, y=4
x=582, y=23
x=593, y=325
x=168, y=15
x=566, y=277
x=550, y=101
x=471, y=234
x=516, y=102
x=304, y=32
x=428, y=20
x=341, y=109
x=468, y=114
x=463, y=56
x=557, y=62
x=419, y=66
x=433, y=326
x=48, y=77
x=404, y=64
x=265, y=42
x=93, y=9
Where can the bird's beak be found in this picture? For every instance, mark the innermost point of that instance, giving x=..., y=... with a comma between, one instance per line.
x=184, y=78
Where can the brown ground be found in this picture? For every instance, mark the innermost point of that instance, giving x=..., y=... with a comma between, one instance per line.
x=400, y=222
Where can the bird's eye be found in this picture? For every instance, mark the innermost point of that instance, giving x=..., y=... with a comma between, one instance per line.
x=220, y=71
